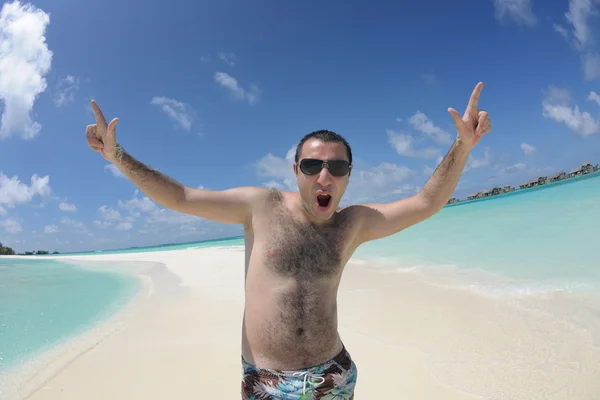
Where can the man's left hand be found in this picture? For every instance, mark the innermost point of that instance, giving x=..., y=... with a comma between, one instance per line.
x=474, y=123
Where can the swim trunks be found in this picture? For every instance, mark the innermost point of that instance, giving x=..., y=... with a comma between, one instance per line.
x=332, y=380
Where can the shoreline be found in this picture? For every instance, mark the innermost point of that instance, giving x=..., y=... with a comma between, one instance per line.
x=430, y=338
x=26, y=376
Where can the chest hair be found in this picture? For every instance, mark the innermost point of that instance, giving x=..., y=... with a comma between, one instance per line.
x=300, y=249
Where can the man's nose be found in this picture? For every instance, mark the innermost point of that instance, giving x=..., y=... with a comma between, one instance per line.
x=324, y=177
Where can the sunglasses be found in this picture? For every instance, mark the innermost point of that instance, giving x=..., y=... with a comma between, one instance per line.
x=312, y=166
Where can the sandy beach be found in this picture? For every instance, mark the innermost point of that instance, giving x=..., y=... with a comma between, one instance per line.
x=410, y=338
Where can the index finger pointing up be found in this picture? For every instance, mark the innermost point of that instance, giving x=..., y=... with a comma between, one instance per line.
x=474, y=101
x=100, y=121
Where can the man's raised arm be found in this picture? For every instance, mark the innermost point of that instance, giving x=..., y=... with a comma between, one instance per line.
x=380, y=220
x=231, y=206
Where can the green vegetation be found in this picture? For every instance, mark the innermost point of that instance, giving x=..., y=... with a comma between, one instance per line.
x=7, y=251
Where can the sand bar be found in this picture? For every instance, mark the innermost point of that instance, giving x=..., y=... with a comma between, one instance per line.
x=411, y=337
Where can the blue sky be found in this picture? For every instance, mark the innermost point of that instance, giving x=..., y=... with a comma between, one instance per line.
x=217, y=94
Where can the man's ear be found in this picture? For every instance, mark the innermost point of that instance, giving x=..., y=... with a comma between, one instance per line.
x=295, y=168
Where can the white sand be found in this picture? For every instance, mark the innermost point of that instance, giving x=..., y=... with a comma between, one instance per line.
x=409, y=338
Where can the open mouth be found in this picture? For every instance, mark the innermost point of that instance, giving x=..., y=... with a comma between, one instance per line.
x=324, y=200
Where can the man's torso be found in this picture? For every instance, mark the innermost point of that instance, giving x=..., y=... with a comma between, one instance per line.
x=293, y=269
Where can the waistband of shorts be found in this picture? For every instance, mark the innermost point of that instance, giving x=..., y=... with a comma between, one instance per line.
x=340, y=358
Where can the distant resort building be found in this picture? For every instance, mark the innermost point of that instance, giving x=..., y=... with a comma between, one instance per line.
x=541, y=180
x=491, y=192
x=585, y=168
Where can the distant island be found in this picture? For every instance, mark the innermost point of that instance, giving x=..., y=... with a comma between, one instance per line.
x=584, y=169
x=7, y=251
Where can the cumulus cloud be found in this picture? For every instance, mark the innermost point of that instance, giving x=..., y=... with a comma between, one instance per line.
x=423, y=124
x=14, y=192
x=583, y=35
x=11, y=225
x=528, y=149
x=65, y=91
x=593, y=96
x=180, y=113
x=24, y=62
x=49, y=229
x=379, y=183
x=405, y=145
x=475, y=162
x=519, y=11
x=230, y=83
x=76, y=226
x=278, y=168
x=113, y=169
x=227, y=58
x=557, y=107
x=67, y=207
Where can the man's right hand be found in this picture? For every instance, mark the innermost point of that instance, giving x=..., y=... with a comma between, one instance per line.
x=101, y=137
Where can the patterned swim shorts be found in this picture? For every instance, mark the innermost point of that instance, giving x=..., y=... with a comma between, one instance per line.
x=332, y=380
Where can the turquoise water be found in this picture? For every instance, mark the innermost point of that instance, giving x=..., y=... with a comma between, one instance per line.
x=45, y=301
x=234, y=241
x=544, y=239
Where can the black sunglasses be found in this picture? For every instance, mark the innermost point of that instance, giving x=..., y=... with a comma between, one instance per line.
x=312, y=166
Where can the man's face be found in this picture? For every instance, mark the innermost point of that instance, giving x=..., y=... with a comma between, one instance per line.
x=321, y=193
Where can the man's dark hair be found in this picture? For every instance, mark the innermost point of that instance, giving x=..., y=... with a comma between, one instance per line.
x=325, y=136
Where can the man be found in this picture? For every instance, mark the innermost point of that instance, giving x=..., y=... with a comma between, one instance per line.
x=297, y=244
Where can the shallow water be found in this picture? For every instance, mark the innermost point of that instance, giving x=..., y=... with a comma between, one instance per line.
x=44, y=301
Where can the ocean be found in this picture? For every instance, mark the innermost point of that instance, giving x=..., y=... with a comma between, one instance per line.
x=522, y=244
x=45, y=302
x=525, y=242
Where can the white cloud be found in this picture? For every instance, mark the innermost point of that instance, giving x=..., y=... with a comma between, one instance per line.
x=562, y=30
x=557, y=107
x=528, y=149
x=65, y=91
x=229, y=82
x=137, y=205
x=423, y=124
x=124, y=226
x=48, y=229
x=3, y=211
x=404, y=144
x=179, y=112
x=102, y=224
x=594, y=97
x=14, y=192
x=228, y=58
x=520, y=11
x=511, y=169
x=11, y=225
x=67, y=207
x=77, y=227
x=378, y=183
x=578, y=16
x=109, y=214
x=474, y=162
x=114, y=170
x=272, y=166
x=591, y=65
x=24, y=61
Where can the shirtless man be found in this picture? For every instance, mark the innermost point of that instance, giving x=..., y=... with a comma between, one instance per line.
x=297, y=244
